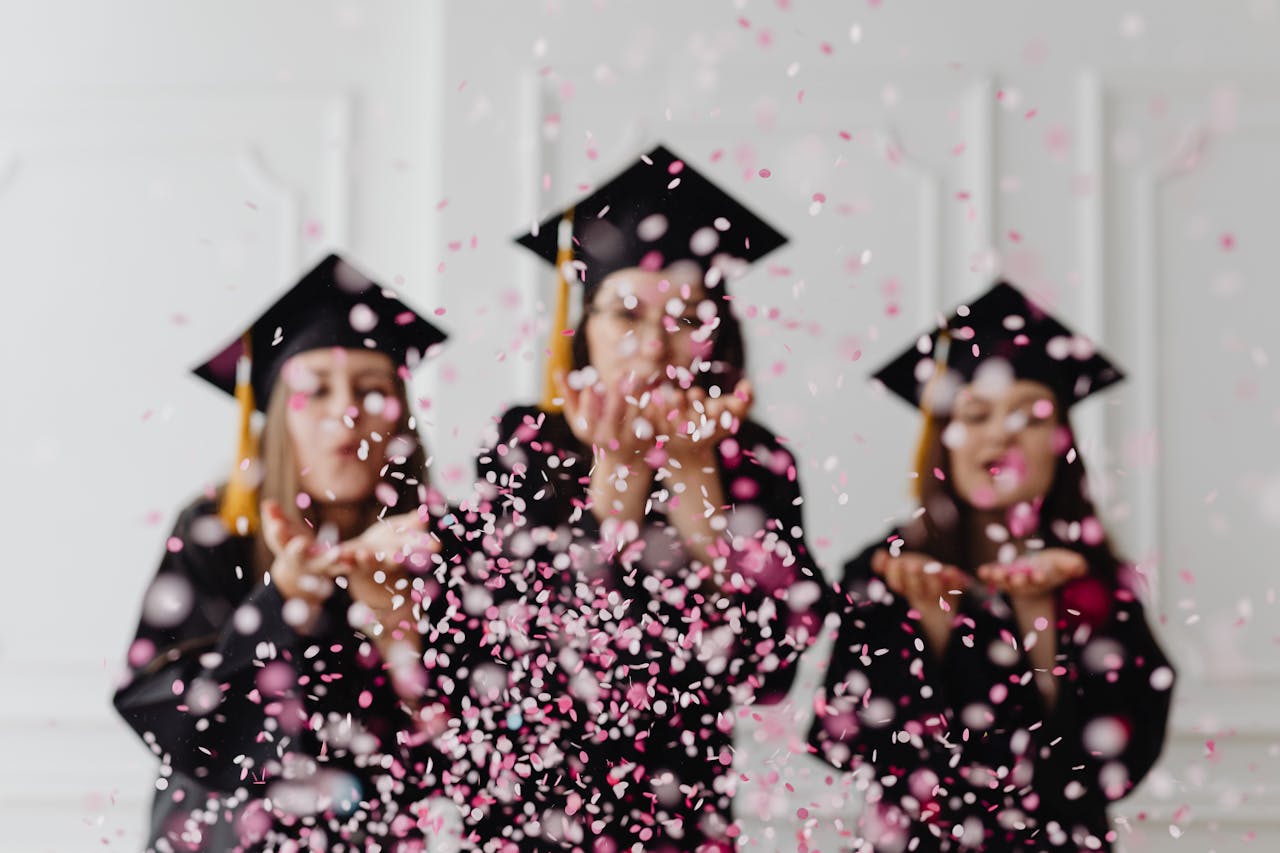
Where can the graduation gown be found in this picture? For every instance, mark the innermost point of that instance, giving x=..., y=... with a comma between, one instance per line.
x=962, y=753
x=596, y=709
x=237, y=706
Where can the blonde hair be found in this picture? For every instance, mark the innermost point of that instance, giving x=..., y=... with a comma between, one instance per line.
x=407, y=474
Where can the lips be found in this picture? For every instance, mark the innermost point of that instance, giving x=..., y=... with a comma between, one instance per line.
x=347, y=450
x=1007, y=470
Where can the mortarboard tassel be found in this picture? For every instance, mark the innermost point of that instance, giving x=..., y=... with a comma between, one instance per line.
x=927, y=430
x=560, y=350
x=239, y=507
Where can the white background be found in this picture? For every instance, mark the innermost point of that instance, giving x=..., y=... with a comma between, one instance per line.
x=166, y=167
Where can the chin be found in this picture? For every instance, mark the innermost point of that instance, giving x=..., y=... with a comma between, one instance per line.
x=346, y=488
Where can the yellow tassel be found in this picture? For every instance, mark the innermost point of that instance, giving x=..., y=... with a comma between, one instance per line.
x=560, y=347
x=239, y=506
x=928, y=433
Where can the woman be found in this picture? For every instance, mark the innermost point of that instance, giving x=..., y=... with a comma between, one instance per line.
x=276, y=671
x=993, y=671
x=647, y=565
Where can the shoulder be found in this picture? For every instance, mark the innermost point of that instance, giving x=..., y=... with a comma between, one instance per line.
x=201, y=548
x=199, y=523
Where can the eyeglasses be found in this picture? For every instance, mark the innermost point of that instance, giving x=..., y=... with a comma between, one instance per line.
x=623, y=320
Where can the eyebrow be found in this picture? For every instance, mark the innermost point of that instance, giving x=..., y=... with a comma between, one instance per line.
x=363, y=373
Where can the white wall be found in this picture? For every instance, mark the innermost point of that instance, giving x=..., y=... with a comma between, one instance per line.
x=163, y=168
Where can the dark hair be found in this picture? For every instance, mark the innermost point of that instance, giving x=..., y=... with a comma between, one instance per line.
x=942, y=530
x=728, y=349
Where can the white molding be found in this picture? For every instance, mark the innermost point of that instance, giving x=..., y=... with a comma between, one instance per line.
x=981, y=124
x=1148, y=182
x=340, y=121
x=8, y=168
x=1093, y=314
x=534, y=154
x=253, y=166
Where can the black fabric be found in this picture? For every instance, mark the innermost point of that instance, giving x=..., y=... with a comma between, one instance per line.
x=933, y=733
x=599, y=713
x=236, y=704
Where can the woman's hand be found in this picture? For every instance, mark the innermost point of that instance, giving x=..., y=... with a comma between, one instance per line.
x=694, y=423
x=378, y=564
x=928, y=587
x=926, y=584
x=301, y=570
x=1035, y=575
x=1030, y=582
x=608, y=418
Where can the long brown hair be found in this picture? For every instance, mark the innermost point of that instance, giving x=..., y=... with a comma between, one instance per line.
x=942, y=530
x=407, y=474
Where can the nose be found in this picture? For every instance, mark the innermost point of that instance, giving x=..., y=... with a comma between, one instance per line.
x=343, y=404
x=654, y=340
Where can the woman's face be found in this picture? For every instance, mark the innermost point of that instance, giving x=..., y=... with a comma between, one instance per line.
x=1003, y=442
x=649, y=326
x=343, y=408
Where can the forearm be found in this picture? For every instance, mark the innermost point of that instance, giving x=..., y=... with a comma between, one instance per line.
x=936, y=624
x=694, y=505
x=1037, y=615
x=619, y=491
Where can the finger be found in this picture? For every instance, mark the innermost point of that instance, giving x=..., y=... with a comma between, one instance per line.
x=606, y=427
x=956, y=579
x=290, y=557
x=879, y=561
x=739, y=402
x=895, y=577
x=560, y=379
x=272, y=525
x=917, y=589
x=572, y=403
x=993, y=575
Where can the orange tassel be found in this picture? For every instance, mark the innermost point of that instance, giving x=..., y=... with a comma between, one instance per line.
x=238, y=508
x=560, y=347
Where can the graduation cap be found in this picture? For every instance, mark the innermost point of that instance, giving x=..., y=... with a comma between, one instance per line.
x=657, y=211
x=333, y=305
x=1000, y=330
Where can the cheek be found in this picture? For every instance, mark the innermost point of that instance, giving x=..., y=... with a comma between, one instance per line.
x=606, y=354
x=687, y=349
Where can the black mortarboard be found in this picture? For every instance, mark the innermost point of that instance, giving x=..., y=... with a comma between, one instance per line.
x=334, y=305
x=1003, y=324
x=657, y=211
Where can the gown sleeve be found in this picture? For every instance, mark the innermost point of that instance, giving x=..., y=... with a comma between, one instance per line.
x=1116, y=687
x=200, y=689
x=779, y=595
x=882, y=698
x=226, y=692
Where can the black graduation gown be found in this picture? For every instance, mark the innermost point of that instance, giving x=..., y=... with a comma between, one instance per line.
x=235, y=703
x=962, y=753
x=596, y=711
